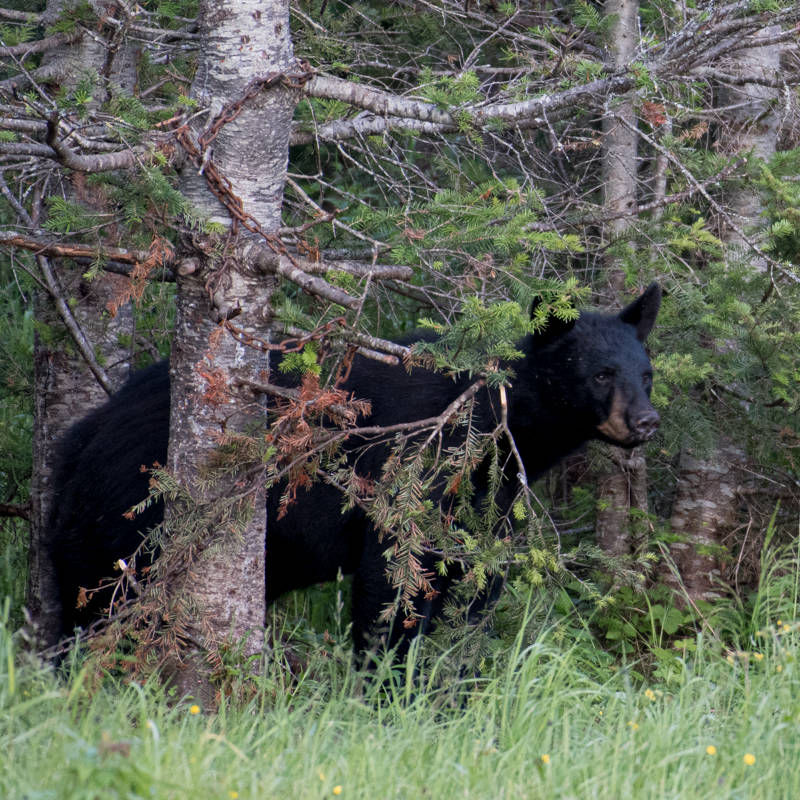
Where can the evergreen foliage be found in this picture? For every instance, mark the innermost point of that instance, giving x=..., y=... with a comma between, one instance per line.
x=490, y=219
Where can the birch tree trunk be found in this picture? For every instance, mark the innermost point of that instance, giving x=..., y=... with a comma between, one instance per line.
x=73, y=324
x=221, y=596
x=706, y=501
x=620, y=474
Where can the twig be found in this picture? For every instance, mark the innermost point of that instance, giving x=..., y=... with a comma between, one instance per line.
x=713, y=203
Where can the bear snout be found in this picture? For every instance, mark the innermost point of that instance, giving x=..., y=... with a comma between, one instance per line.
x=646, y=424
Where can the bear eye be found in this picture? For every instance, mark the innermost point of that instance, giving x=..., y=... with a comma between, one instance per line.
x=647, y=380
x=604, y=378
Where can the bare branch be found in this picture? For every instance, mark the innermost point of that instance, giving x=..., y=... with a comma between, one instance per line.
x=26, y=149
x=40, y=46
x=375, y=100
x=20, y=16
x=289, y=270
x=23, y=511
x=422, y=117
x=71, y=324
x=57, y=248
x=122, y=159
x=378, y=272
x=371, y=346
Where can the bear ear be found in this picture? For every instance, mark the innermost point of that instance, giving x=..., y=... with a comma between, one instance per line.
x=554, y=329
x=642, y=313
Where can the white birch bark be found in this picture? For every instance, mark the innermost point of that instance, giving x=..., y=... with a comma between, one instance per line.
x=621, y=477
x=224, y=588
x=65, y=386
x=706, y=501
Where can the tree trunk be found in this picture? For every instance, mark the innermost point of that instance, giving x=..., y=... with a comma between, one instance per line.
x=704, y=509
x=65, y=387
x=620, y=476
x=706, y=501
x=221, y=595
x=620, y=139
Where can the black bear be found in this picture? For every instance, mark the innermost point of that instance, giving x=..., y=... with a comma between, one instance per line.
x=590, y=379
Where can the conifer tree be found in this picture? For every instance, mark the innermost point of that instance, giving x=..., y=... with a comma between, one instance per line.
x=446, y=167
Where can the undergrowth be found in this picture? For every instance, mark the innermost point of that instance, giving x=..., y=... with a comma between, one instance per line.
x=546, y=719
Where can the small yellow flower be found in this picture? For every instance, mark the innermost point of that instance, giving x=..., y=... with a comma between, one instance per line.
x=321, y=775
x=649, y=694
x=749, y=759
x=634, y=726
x=233, y=794
x=779, y=668
x=711, y=750
x=545, y=758
x=758, y=656
x=195, y=709
x=337, y=789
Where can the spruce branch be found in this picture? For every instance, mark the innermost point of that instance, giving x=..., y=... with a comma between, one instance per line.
x=723, y=213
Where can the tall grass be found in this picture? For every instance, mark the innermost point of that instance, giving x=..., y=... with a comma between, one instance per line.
x=547, y=722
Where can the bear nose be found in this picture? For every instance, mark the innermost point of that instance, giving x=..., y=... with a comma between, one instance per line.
x=647, y=424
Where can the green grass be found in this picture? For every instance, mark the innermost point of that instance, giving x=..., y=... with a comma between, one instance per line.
x=604, y=734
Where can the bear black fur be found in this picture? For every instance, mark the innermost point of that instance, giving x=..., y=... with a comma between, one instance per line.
x=579, y=381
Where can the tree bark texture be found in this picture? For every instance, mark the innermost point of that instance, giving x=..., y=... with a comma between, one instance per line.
x=750, y=125
x=621, y=476
x=705, y=508
x=706, y=502
x=65, y=388
x=225, y=586
x=621, y=479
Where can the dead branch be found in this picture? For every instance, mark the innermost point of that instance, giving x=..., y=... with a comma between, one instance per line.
x=26, y=49
x=377, y=272
x=122, y=159
x=285, y=267
x=72, y=325
x=20, y=510
x=384, y=431
x=42, y=245
x=20, y=16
